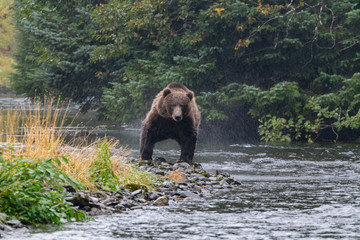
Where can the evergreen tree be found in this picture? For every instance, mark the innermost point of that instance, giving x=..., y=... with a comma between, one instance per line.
x=54, y=50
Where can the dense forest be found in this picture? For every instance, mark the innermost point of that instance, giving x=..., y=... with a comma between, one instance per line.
x=285, y=70
x=6, y=41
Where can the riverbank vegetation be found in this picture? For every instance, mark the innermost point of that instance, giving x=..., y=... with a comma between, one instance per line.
x=275, y=70
x=7, y=40
x=39, y=157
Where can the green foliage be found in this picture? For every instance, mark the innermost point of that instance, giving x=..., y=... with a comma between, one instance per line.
x=54, y=45
x=332, y=112
x=32, y=190
x=273, y=129
x=101, y=168
x=110, y=173
x=283, y=99
x=294, y=61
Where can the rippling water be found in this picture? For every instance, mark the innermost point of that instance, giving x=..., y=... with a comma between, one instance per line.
x=287, y=192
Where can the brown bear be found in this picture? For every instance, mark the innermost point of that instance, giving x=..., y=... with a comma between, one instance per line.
x=174, y=114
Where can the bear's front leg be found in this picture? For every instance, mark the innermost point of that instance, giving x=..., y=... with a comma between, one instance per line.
x=188, y=144
x=147, y=143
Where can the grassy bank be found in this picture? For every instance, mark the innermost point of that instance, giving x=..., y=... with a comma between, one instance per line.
x=39, y=157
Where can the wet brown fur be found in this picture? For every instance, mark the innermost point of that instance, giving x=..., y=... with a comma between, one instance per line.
x=173, y=114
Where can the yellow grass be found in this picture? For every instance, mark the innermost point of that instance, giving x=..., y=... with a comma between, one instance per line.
x=39, y=132
x=7, y=40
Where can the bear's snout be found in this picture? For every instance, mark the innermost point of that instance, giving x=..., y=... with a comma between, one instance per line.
x=177, y=114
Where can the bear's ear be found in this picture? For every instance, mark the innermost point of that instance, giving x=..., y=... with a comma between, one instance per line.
x=166, y=92
x=190, y=95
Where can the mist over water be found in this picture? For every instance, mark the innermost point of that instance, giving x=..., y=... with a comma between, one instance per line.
x=286, y=192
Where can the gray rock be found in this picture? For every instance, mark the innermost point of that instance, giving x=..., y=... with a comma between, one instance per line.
x=197, y=176
x=160, y=172
x=94, y=199
x=224, y=183
x=197, y=188
x=136, y=207
x=184, y=187
x=6, y=228
x=198, y=168
x=184, y=166
x=165, y=166
x=96, y=211
x=169, y=185
x=119, y=208
x=142, y=168
x=111, y=201
x=14, y=223
x=223, y=174
x=232, y=181
x=127, y=203
x=152, y=196
x=100, y=205
x=3, y=217
x=80, y=200
x=162, y=201
x=218, y=187
x=136, y=192
x=141, y=200
x=202, y=183
x=189, y=194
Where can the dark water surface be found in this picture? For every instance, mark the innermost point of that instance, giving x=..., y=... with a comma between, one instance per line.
x=287, y=192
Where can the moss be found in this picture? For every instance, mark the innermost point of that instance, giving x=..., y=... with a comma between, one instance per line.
x=205, y=174
x=134, y=187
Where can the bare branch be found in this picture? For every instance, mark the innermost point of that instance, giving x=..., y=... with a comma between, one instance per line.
x=346, y=48
x=330, y=29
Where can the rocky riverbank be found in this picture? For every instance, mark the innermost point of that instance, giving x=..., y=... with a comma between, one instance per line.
x=176, y=182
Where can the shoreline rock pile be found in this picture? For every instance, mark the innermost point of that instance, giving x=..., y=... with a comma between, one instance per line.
x=177, y=181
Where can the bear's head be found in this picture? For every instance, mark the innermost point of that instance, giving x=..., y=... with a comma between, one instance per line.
x=177, y=103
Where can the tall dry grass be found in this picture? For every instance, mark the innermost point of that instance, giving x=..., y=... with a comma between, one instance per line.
x=38, y=131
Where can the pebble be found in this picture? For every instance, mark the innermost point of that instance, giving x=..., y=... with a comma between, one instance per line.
x=162, y=201
x=189, y=194
x=136, y=192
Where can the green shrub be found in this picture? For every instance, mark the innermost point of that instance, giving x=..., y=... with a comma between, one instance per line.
x=32, y=190
x=102, y=169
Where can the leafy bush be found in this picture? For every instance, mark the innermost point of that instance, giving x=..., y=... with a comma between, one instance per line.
x=32, y=190
x=110, y=171
x=101, y=168
x=332, y=114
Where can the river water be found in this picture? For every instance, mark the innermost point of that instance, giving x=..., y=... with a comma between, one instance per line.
x=286, y=192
